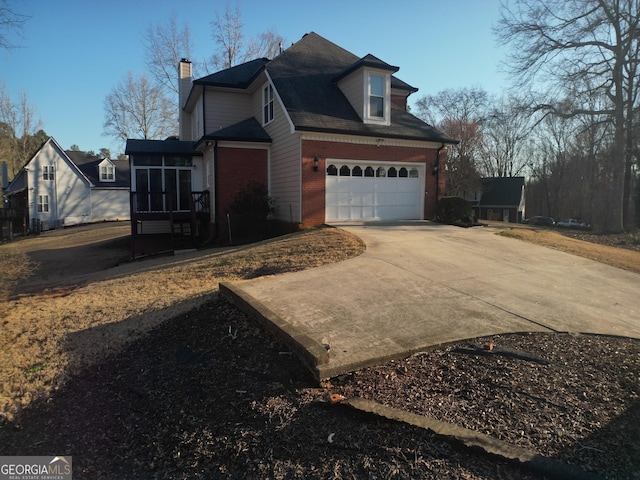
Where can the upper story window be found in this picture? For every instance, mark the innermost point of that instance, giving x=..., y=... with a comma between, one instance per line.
x=378, y=94
x=267, y=104
x=107, y=173
x=48, y=172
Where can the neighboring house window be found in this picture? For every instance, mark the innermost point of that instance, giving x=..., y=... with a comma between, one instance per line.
x=267, y=103
x=43, y=203
x=47, y=172
x=107, y=173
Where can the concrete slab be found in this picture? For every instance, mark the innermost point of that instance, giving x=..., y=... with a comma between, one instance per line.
x=420, y=285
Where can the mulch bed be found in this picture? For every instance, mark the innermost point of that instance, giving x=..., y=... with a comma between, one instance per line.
x=208, y=394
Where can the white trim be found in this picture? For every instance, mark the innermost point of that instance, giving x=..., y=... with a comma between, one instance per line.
x=265, y=102
x=244, y=145
x=358, y=140
x=284, y=110
x=386, y=96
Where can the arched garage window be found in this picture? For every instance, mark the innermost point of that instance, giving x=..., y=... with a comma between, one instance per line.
x=345, y=171
x=413, y=173
x=357, y=171
x=381, y=172
x=403, y=173
x=368, y=172
x=393, y=172
x=332, y=170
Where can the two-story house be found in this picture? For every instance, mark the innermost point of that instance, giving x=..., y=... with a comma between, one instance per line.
x=58, y=188
x=327, y=132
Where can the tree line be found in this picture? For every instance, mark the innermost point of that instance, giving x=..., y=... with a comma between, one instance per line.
x=570, y=122
x=572, y=129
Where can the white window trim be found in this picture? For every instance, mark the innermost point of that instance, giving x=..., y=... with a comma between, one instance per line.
x=268, y=103
x=48, y=172
x=43, y=204
x=386, y=119
x=106, y=178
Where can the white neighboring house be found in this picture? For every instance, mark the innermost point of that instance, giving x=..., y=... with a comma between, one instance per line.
x=59, y=188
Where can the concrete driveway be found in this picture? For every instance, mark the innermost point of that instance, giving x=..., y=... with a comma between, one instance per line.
x=421, y=284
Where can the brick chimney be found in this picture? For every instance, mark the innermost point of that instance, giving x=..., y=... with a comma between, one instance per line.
x=185, y=77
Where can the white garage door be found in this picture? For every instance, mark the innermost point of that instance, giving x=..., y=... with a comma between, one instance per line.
x=373, y=191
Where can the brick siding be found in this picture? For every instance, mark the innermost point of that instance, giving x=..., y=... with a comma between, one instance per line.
x=313, y=183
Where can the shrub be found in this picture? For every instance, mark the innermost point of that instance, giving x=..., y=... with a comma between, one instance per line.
x=249, y=214
x=454, y=209
x=253, y=201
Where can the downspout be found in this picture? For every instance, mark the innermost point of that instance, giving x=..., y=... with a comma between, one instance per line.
x=216, y=225
x=436, y=168
x=57, y=221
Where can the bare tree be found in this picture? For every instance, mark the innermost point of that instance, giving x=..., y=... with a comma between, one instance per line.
x=505, y=133
x=460, y=114
x=137, y=108
x=233, y=47
x=21, y=133
x=10, y=21
x=164, y=45
x=577, y=48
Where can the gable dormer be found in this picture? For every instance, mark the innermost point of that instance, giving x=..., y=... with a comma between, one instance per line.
x=367, y=86
x=107, y=171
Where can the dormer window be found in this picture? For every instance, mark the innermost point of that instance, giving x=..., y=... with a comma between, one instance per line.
x=378, y=87
x=107, y=171
x=376, y=96
x=106, y=174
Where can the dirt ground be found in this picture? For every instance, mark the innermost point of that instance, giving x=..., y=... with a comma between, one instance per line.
x=142, y=363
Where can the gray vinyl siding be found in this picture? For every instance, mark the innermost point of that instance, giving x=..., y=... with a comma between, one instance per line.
x=197, y=121
x=353, y=88
x=69, y=193
x=226, y=108
x=108, y=204
x=285, y=162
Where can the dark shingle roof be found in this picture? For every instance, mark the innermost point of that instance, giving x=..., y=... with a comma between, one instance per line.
x=366, y=61
x=165, y=147
x=248, y=130
x=239, y=76
x=304, y=76
x=91, y=170
x=501, y=191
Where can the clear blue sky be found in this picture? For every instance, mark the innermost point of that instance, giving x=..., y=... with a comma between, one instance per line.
x=75, y=52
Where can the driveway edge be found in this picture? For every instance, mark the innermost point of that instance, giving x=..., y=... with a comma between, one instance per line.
x=309, y=351
x=549, y=467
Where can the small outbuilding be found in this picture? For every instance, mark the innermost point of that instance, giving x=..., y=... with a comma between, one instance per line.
x=501, y=199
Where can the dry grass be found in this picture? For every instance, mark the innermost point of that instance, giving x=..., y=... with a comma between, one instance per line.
x=627, y=259
x=58, y=331
x=15, y=268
